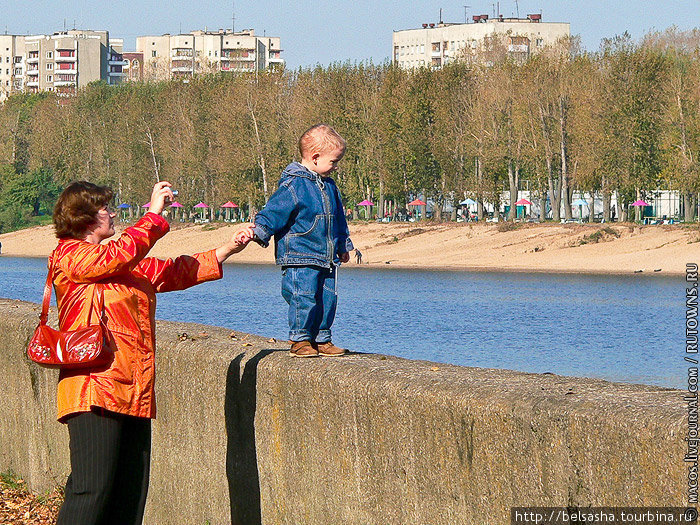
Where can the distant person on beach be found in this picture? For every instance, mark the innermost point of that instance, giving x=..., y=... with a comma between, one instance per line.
x=358, y=256
x=108, y=408
x=306, y=217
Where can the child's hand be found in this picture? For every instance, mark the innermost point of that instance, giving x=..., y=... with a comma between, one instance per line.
x=237, y=243
x=244, y=236
x=344, y=257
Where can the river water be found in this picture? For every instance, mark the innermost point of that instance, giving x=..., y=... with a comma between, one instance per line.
x=620, y=328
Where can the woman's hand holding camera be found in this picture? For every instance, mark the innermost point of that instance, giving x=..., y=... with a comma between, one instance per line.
x=161, y=195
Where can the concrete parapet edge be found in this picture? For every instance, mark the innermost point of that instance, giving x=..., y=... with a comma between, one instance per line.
x=246, y=434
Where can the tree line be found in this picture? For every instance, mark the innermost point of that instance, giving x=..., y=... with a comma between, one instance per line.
x=623, y=120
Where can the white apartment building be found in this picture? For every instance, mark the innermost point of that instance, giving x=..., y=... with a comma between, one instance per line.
x=62, y=62
x=185, y=55
x=11, y=64
x=434, y=45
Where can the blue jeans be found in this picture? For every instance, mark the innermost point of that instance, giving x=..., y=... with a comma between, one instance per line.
x=311, y=295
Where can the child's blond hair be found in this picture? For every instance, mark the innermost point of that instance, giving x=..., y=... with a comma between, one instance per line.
x=319, y=139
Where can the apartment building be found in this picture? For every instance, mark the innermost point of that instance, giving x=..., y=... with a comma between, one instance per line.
x=434, y=45
x=62, y=62
x=184, y=55
x=133, y=66
x=11, y=64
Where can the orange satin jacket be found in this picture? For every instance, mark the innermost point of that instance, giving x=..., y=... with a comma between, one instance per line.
x=129, y=283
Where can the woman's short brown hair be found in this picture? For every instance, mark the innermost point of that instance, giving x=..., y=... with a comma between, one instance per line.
x=77, y=207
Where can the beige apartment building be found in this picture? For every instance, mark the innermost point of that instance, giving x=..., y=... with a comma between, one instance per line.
x=62, y=62
x=435, y=45
x=184, y=55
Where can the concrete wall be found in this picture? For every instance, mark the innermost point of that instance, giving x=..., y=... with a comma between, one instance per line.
x=246, y=434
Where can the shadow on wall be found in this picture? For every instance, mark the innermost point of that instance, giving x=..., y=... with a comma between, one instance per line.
x=241, y=457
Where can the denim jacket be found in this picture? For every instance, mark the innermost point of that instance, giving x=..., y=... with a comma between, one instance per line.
x=306, y=217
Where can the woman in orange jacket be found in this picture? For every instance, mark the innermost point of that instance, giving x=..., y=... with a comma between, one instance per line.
x=108, y=409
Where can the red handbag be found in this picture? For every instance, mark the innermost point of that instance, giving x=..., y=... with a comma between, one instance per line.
x=70, y=349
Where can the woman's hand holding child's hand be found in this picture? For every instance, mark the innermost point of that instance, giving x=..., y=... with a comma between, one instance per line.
x=239, y=241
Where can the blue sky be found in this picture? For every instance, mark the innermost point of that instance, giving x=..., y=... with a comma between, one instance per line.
x=321, y=32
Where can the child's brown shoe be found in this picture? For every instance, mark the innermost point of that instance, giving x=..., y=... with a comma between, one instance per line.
x=303, y=349
x=330, y=350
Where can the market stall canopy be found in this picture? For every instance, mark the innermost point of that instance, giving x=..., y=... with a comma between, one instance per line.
x=640, y=202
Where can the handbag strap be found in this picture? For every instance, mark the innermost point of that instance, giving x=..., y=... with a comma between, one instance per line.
x=44, y=316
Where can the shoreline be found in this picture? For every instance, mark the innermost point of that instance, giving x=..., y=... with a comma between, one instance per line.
x=586, y=249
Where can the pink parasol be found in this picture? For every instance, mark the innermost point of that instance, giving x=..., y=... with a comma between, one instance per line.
x=201, y=205
x=416, y=202
x=229, y=204
x=365, y=203
x=640, y=202
x=147, y=205
x=523, y=202
x=176, y=205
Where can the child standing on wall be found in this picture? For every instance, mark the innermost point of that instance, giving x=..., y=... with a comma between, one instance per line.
x=306, y=217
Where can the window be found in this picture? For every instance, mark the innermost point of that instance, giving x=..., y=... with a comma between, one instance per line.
x=49, y=66
x=216, y=53
x=49, y=78
x=7, y=59
x=135, y=64
x=539, y=42
x=7, y=71
x=153, y=53
x=49, y=54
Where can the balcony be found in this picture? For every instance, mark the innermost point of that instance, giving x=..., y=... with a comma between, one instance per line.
x=181, y=69
x=33, y=83
x=518, y=48
x=65, y=56
x=58, y=83
x=275, y=60
x=117, y=62
x=32, y=72
x=67, y=70
x=182, y=53
x=33, y=60
x=117, y=74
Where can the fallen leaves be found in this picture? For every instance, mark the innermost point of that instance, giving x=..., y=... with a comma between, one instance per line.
x=19, y=505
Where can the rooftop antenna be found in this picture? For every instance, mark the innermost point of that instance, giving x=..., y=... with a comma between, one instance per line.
x=465, y=12
x=441, y=15
x=493, y=7
x=233, y=16
x=517, y=9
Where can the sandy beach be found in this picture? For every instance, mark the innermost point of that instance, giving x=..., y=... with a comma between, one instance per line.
x=561, y=248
